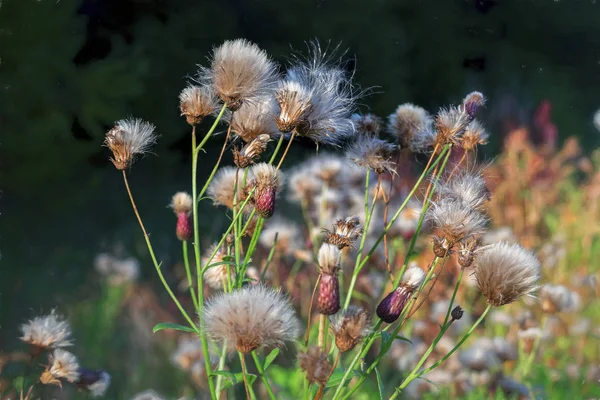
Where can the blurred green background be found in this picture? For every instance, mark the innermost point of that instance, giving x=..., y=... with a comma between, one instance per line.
x=70, y=68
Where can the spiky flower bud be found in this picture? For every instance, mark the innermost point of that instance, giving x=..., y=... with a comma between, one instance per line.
x=472, y=102
x=350, y=327
x=345, y=232
x=328, y=298
x=184, y=229
x=182, y=206
x=456, y=313
x=393, y=304
x=315, y=364
x=267, y=181
x=197, y=102
x=250, y=152
x=96, y=382
x=505, y=272
x=128, y=139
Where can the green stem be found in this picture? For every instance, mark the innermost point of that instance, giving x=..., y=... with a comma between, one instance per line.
x=221, y=367
x=263, y=377
x=536, y=344
x=244, y=373
x=272, y=160
x=186, y=262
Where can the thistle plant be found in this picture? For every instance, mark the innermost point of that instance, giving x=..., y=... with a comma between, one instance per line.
x=358, y=215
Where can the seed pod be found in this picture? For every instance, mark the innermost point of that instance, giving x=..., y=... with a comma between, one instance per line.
x=456, y=313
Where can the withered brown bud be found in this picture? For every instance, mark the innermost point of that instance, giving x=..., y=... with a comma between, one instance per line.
x=456, y=313
x=350, y=327
x=315, y=364
x=345, y=232
x=466, y=253
x=328, y=299
x=441, y=247
x=184, y=229
x=251, y=151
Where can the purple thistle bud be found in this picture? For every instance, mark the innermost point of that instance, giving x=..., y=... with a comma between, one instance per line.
x=184, y=230
x=392, y=305
x=264, y=201
x=472, y=102
x=328, y=299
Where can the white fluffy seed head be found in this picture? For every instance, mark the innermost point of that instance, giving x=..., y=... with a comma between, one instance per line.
x=182, y=203
x=221, y=189
x=50, y=331
x=407, y=124
x=295, y=103
x=558, y=298
x=597, y=120
x=99, y=388
x=197, y=102
x=288, y=236
x=266, y=174
x=372, y=153
x=468, y=187
x=63, y=365
x=456, y=220
x=329, y=258
x=239, y=71
x=505, y=272
x=254, y=118
x=129, y=138
x=251, y=317
x=473, y=136
x=217, y=276
x=413, y=278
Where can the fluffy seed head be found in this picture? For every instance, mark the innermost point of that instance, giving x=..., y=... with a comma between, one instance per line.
x=50, y=331
x=181, y=203
x=315, y=364
x=217, y=276
x=505, y=272
x=450, y=123
x=251, y=151
x=197, y=102
x=455, y=220
x=468, y=187
x=96, y=382
x=117, y=271
x=267, y=181
x=372, y=153
x=407, y=124
x=128, y=139
x=288, y=236
x=329, y=259
x=597, y=120
x=221, y=189
x=345, y=232
x=473, y=136
x=367, y=124
x=350, y=327
x=239, y=70
x=251, y=317
x=295, y=103
x=472, y=102
x=62, y=365
x=557, y=298
x=253, y=119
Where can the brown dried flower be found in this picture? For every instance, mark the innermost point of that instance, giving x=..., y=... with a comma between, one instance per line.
x=128, y=139
x=197, y=102
x=250, y=152
x=315, y=364
x=345, y=232
x=350, y=327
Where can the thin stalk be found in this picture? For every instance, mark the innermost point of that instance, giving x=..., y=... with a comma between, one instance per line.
x=216, y=167
x=449, y=311
x=536, y=344
x=269, y=258
x=243, y=364
x=272, y=160
x=154, y=260
x=310, y=306
x=322, y=387
x=321, y=339
x=287, y=149
x=186, y=262
x=221, y=367
x=263, y=377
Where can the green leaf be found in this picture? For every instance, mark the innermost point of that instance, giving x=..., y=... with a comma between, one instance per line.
x=234, y=379
x=379, y=384
x=386, y=337
x=170, y=325
x=337, y=376
x=270, y=358
x=18, y=383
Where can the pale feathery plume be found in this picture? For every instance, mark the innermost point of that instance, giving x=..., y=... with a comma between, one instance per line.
x=390, y=308
x=289, y=237
x=558, y=298
x=222, y=188
x=117, y=271
x=197, y=102
x=254, y=118
x=468, y=187
x=50, y=331
x=473, y=136
x=407, y=124
x=450, y=123
x=239, y=71
x=350, y=327
x=128, y=139
x=596, y=120
x=505, y=272
x=61, y=365
x=251, y=317
x=315, y=365
x=372, y=153
x=367, y=124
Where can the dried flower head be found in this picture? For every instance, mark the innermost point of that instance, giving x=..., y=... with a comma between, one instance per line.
x=367, y=124
x=197, y=102
x=372, y=153
x=408, y=123
x=466, y=252
x=61, y=365
x=327, y=98
x=251, y=317
x=251, y=151
x=315, y=364
x=457, y=313
x=128, y=139
x=450, y=124
x=187, y=352
x=295, y=103
x=266, y=184
x=473, y=136
x=505, y=272
x=329, y=258
x=50, y=331
x=253, y=119
x=468, y=187
x=221, y=188
x=557, y=298
x=239, y=71
x=456, y=220
x=393, y=304
x=472, y=103
x=219, y=271
x=350, y=327
x=96, y=382
x=345, y=232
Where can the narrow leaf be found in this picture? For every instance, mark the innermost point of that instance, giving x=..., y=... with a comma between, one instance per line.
x=270, y=358
x=170, y=325
x=379, y=384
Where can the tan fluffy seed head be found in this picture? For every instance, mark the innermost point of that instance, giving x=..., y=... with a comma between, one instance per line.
x=181, y=203
x=450, y=123
x=251, y=317
x=254, y=118
x=407, y=123
x=239, y=71
x=197, y=102
x=473, y=136
x=62, y=365
x=315, y=364
x=221, y=189
x=329, y=258
x=557, y=298
x=217, y=276
x=251, y=151
x=295, y=103
x=505, y=272
x=350, y=327
x=372, y=153
x=455, y=220
x=50, y=331
x=468, y=187
x=367, y=124
x=128, y=139
x=413, y=278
